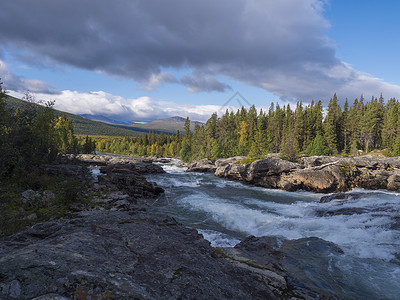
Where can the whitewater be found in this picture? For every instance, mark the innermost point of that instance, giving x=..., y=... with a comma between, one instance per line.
x=366, y=228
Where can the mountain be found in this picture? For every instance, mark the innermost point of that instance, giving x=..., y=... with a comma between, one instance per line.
x=167, y=125
x=85, y=126
x=108, y=120
x=82, y=126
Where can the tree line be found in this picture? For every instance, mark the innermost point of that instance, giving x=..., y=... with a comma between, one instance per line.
x=305, y=129
x=34, y=136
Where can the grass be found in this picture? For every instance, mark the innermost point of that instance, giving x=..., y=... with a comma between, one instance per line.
x=14, y=212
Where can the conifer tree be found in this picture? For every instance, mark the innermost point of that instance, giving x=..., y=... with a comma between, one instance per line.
x=186, y=152
x=346, y=127
x=332, y=125
x=318, y=147
x=390, y=129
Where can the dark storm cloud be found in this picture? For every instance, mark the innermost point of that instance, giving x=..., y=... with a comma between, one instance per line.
x=201, y=82
x=277, y=45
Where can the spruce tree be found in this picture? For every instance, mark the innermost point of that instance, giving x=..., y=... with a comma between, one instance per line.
x=186, y=152
x=332, y=125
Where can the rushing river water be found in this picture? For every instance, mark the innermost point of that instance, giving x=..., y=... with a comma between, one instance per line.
x=367, y=229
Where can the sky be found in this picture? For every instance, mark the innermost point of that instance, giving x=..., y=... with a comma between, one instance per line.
x=139, y=60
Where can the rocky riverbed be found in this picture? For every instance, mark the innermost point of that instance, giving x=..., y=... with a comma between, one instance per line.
x=116, y=247
x=321, y=174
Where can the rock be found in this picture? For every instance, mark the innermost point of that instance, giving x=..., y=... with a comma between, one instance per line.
x=147, y=168
x=108, y=159
x=258, y=171
x=232, y=171
x=48, y=196
x=227, y=161
x=30, y=196
x=141, y=168
x=128, y=179
x=121, y=255
x=64, y=169
x=314, y=161
x=323, y=174
x=50, y=297
x=347, y=211
x=340, y=196
x=325, y=180
x=31, y=217
x=36, y=199
x=306, y=263
x=203, y=165
x=264, y=172
x=393, y=183
x=12, y=290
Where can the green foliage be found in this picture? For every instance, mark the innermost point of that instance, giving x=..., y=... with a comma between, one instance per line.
x=396, y=147
x=31, y=136
x=280, y=130
x=318, y=147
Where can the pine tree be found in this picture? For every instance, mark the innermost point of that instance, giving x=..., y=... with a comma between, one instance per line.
x=318, y=147
x=186, y=152
x=372, y=124
x=346, y=127
x=332, y=126
x=390, y=123
x=244, y=138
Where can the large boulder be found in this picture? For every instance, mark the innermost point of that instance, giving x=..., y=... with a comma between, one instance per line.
x=393, y=183
x=227, y=161
x=305, y=263
x=142, y=168
x=232, y=171
x=325, y=180
x=121, y=255
x=265, y=172
x=269, y=167
x=204, y=165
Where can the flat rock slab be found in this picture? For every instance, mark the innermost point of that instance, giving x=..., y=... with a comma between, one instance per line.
x=120, y=255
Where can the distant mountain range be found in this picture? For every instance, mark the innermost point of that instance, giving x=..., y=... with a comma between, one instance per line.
x=101, y=125
x=109, y=120
x=166, y=125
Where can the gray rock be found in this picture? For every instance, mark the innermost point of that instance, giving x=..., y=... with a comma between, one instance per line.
x=48, y=196
x=51, y=297
x=269, y=167
x=64, y=169
x=393, y=183
x=12, y=289
x=29, y=196
x=31, y=217
x=121, y=255
x=305, y=263
x=325, y=180
x=204, y=165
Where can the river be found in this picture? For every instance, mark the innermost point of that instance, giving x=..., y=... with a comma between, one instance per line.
x=366, y=228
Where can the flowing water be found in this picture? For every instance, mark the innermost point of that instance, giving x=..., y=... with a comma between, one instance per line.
x=366, y=228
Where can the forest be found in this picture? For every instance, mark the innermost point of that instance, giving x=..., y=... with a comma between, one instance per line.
x=33, y=136
x=308, y=129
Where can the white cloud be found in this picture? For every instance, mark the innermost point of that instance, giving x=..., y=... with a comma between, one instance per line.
x=119, y=108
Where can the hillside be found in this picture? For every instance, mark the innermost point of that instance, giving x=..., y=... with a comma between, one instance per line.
x=167, y=125
x=83, y=126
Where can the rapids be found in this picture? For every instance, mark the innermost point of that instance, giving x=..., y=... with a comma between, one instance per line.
x=366, y=228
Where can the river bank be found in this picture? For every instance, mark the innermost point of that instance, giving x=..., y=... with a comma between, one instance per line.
x=321, y=174
x=264, y=244
x=113, y=247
